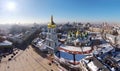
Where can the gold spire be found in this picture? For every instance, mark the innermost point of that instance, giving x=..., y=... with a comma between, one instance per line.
x=51, y=24
x=51, y=18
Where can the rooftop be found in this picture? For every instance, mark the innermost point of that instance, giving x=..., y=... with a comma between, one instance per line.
x=28, y=60
x=94, y=64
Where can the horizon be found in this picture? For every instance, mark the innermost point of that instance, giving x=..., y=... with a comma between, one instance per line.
x=39, y=11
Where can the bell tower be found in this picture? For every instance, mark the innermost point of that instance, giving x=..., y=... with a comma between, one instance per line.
x=52, y=40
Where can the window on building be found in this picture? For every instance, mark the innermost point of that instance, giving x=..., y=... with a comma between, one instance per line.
x=55, y=44
x=49, y=44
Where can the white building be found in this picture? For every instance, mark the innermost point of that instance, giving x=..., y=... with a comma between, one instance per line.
x=90, y=63
x=6, y=43
x=52, y=40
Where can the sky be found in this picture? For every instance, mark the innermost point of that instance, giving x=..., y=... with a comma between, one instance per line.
x=39, y=11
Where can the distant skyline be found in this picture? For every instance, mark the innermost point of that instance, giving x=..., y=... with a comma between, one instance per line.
x=39, y=11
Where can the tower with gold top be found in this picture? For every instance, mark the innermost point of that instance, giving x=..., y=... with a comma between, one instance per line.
x=51, y=24
x=52, y=40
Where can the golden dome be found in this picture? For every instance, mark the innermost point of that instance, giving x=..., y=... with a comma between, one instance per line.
x=51, y=24
x=77, y=33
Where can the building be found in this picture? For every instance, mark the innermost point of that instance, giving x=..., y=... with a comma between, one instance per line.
x=108, y=56
x=4, y=43
x=92, y=64
x=5, y=46
x=73, y=49
x=51, y=39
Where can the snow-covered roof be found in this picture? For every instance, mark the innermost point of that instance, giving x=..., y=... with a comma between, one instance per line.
x=111, y=39
x=42, y=46
x=5, y=43
x=92, y=66
x=36, y=39
x=98, y=37
x=107, y=48
x=73, y=48
x=117, y=57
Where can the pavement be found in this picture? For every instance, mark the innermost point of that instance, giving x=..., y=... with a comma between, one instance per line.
x=27, y=60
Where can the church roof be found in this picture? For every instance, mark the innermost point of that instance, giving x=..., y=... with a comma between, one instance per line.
x=52, y=24
x=77, y=33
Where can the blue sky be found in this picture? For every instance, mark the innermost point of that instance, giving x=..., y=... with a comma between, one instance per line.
x=29, y=11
